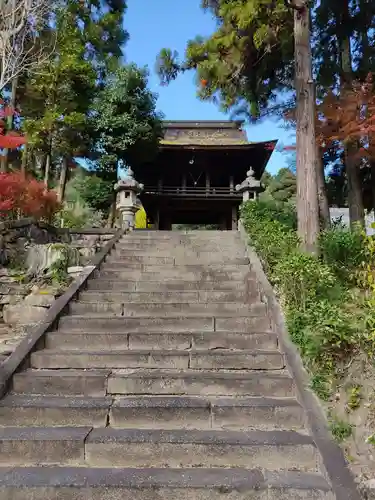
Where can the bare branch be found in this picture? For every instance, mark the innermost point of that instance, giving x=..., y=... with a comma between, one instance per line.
x=21, y=45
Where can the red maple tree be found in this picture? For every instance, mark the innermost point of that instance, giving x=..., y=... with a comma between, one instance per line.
x=24, y=196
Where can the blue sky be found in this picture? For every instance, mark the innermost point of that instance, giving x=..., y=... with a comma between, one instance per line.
x=155, y=24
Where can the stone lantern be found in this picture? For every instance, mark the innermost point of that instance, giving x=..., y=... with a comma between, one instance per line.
x=127, y=203
x=250, y=187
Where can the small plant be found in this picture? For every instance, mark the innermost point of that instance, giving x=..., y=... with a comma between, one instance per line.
x=340, y=430
x=354, y=398
x=322, y=386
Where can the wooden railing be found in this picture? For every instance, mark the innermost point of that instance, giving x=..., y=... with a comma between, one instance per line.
x=191, y=191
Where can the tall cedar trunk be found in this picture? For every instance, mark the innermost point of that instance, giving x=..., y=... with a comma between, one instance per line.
x=47, y=168
x=325, y=218
x=63, y=179
x=307, y=192
x=12, y=104
x=355, y=198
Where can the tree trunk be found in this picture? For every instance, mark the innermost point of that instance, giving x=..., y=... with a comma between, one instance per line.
x=47, y=168
x=307, y=192
x=24, y=160
x=355, y=199
x=325, y=218
x=62, y=180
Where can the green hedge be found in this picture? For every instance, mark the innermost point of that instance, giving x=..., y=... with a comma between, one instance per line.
x=320, y=309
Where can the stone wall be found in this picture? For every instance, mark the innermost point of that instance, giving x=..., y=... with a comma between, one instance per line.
x=30, y=254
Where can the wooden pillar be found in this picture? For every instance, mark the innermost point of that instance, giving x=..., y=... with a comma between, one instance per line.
x=234, y=218
x=231, y=184
x=208, y=182
x=184, y=183
x=160, y=185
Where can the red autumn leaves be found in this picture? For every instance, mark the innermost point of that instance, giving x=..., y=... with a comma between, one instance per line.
x=24, y=196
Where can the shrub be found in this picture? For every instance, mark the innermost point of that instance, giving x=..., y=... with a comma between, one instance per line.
x=343, y=250
x=22, y=196
x=272, y=236
x=303, y=279
x=323, y=319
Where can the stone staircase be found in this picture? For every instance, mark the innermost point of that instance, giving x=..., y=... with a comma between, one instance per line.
x=164, y=381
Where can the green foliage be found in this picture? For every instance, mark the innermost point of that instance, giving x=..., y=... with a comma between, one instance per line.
x=342, y=250
x=340, y=430
x=324, y=318
x=95, y=192
x=281, y=187
x=125, y=122
x=245, y=61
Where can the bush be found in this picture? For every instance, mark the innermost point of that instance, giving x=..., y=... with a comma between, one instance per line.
x=22, y=196
x=271, y=235
x=343, y=250
x=323, y=318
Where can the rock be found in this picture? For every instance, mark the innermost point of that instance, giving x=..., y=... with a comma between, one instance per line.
x=368, y=489
x=75, y=269
x=4, y=271
x=10, y=299
x=40, y=299
x=23, y=314
x=44, y=259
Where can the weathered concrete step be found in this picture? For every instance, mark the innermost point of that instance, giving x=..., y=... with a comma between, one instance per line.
x=42, y=445
x=199, y=324
x=171, y=273
x=180, y=296
x=200, y=383
x=182, y=261
x=142, y=358
x=178, y=256
x=145, y=412
x=195, y=265
x=217, y=269
x=99, y=383
x=275, y=450
x=170, y=285
x=88, y=383
x=169, y=309
x=52, y=411
x=180, y=412
x=66, y=339
x=86, y=483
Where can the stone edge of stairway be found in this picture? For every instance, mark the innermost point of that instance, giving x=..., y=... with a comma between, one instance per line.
x=35, y=334
x=336, y=468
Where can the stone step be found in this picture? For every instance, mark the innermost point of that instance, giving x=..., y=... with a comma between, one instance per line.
x=180, y=296
x=144, y=412
x=181, y=412
x=218, y=359
x=21, y=446
x=85, y=483
x=106, y=340
x=275, y=450
x=99, y=383
x=170, y=285
x=157, y=256
x=174, y=273
x=201, y=383
x=169, y=309
x=154, y=324
x=181, y=265
x=54, y=411
x=89, y=383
